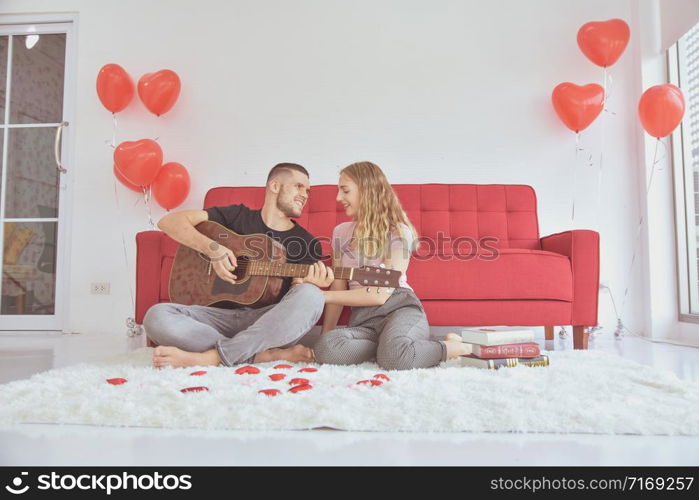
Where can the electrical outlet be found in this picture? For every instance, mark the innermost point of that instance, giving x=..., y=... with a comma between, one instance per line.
x=99, y=288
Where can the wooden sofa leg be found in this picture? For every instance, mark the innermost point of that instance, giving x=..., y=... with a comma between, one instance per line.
x=580, y=336
x=548, y=331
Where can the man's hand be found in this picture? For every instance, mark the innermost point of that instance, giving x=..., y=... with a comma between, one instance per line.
x=224, y=263
x=320, y=275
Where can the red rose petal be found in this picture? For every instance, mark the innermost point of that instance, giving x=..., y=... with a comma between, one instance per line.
x=382, y=377
x=200, y=372
x=309, y=369
x=270, y=392
x=117, y=381
x=194, y=389
x=303, y=387
x=298, y=381
x=372, y=382
x=277, y=376
x=279, y=367
x=247, y=369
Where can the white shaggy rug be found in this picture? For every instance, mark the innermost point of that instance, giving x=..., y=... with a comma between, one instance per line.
x=581, y=391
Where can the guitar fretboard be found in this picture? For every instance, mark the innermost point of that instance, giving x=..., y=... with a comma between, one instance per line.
x=286, y=270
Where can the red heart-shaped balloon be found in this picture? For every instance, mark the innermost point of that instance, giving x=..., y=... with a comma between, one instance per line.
x=577, y=106
x=171, y=185
x=603, y=42
x=270, y=392
x=114, y=87
x=661, y=109
x=116, y=381
x=139, y=161
x=159, y=90
x=302, y=387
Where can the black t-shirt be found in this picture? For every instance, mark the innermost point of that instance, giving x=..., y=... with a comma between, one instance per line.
x=300, y=245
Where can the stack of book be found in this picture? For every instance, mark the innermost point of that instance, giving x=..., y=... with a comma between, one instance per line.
x=494, y=348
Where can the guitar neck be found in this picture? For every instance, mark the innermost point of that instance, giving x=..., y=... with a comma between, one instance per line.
x=286, y=270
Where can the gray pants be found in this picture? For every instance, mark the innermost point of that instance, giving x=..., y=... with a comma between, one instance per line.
x=237, y=334
x=396, y=334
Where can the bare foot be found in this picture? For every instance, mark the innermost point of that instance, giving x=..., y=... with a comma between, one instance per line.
x=456, y=346
x=297, y=353
x=172, y=356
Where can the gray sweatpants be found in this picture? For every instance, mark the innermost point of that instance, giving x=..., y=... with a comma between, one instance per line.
x=396, y=334
x=237, y=334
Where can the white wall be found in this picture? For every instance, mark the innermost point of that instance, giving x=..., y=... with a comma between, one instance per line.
x=439, y=91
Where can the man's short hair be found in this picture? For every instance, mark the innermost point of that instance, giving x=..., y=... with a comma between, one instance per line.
x=285, y=167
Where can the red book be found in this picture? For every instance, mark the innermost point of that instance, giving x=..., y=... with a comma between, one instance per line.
x=525, y=350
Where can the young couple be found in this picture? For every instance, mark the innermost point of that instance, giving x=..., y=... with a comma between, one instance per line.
x=386, y=325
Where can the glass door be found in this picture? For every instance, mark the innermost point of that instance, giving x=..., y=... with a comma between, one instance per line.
x=34, y=179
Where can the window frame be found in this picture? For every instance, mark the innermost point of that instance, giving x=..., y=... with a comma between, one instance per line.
x=685, y=196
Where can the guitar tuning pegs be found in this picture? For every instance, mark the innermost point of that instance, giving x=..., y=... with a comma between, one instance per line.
x=382, y=265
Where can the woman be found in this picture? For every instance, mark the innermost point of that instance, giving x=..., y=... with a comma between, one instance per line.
x=386, y=324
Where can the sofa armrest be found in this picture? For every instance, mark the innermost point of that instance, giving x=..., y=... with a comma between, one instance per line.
x=581, y=246
x=148, y=271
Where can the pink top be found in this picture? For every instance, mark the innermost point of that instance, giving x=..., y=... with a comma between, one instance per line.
x=342, y=235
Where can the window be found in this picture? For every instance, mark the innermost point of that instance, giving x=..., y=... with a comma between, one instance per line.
x=683, y=61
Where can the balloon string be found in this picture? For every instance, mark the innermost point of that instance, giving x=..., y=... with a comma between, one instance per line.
x=114, y=129
x=599, y=168
x=607, y=92
x=638, y=230
x=146, y=200
x=652, y=168
x=123, y=244
x=112, y=143
x=158, y=128
x=604, y=86
x=575, y=163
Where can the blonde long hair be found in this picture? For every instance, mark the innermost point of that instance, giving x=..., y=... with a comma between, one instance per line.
x=380, y=211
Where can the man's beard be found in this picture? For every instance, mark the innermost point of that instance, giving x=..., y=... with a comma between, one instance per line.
x=289, y=208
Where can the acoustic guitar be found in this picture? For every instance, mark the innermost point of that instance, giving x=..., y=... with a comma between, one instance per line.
x=260, y=273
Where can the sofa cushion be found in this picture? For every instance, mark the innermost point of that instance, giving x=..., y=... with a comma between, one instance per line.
x=514, y=273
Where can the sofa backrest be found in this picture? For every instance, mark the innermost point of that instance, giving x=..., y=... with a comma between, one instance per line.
x=503, y=211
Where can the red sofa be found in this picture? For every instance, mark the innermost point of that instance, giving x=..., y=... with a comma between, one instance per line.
x=481, y=260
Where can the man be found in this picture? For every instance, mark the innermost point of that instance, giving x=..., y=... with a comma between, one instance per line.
x=206, y=335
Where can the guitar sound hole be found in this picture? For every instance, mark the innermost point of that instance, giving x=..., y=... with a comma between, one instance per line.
x=242, y=271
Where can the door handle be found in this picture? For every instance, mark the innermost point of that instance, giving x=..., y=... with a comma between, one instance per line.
x=57, y=149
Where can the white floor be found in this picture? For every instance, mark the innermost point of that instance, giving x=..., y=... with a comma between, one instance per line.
x=25, y=353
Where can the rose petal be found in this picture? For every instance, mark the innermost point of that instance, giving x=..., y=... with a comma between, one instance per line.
x=247, y=369
x=279, y=367
x=298, y=381
x=117, y=381
x=270, y=392
x=372, y=382
x=200, y=372
x=309, y=369
x=303, y=387
x=277, y=376
x=382, y=377
x=194, y=389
